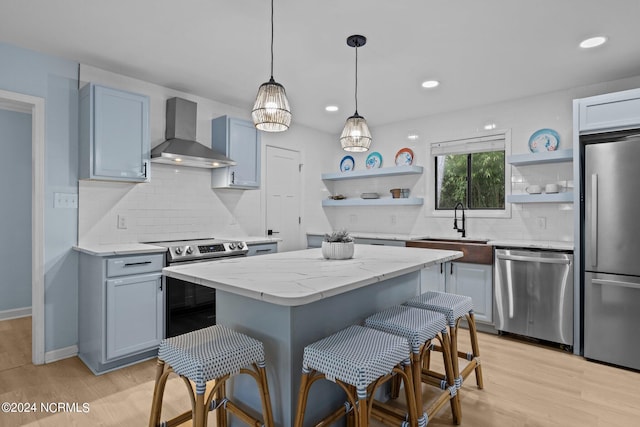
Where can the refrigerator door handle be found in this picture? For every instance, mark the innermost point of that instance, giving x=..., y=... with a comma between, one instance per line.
x=615, y=283
x=534, y=259
x=594, y=220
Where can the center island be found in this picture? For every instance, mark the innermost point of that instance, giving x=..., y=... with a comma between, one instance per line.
x=291, y=299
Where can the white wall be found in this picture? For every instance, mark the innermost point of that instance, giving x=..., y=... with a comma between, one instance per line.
x=178, y=202
x=522, y=117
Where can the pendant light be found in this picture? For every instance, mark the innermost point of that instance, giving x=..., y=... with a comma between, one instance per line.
x=271, y=111
x=355, y=135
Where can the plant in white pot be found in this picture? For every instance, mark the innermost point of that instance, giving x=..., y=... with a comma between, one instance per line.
x=337, y=245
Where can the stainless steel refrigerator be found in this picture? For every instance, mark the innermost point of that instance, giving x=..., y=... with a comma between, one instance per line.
x=611, y=236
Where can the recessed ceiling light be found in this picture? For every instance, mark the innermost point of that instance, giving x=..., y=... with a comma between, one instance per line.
x=430, y=84
x=331, y=108
x=593, y=42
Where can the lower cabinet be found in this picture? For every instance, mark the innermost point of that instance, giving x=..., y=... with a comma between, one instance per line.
x=120, y=310
x=472, y=280
x=262, y=248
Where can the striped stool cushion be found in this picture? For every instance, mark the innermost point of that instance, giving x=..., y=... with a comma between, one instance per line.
x=210, y=353
x=451, y=305
x=416, y=325
x=356, y=355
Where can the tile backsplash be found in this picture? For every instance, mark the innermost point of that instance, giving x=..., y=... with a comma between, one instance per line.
x=177, y=203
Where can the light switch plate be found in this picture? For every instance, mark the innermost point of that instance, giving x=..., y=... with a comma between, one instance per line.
x=65, y=201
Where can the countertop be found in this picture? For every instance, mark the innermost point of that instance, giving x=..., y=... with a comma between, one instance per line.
x=144, y=248
x=301, y=277
x=382, y=236
x=119, y=249
x=533, y=244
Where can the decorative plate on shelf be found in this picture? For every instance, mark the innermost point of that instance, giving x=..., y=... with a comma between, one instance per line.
x=374, y=160
x=404, y=157
x=346, y=164
x=544, y=140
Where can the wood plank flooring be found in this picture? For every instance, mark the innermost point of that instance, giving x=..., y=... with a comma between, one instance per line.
x=526, y=385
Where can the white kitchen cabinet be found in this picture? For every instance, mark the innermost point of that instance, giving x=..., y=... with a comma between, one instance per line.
x=472, y=280
x=239, y=140
x=374, y=174
x=611, y=111
x=120, y=309
x=114, y=135
x=262, y=248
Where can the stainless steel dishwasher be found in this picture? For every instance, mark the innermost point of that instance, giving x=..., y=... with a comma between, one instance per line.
x=534, y=293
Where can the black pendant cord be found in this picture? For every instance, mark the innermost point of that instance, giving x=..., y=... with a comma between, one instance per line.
x=356, y=80
x=271, y=39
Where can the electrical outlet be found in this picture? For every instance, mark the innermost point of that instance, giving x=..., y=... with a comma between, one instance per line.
x=65, y=200
x=122, y=222
x=542, y=222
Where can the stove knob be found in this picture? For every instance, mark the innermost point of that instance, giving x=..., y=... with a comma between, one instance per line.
x=232, y=245
x=240, y=245
x=189, y=250
x=178, y=250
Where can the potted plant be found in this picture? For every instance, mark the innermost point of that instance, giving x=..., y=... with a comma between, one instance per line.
x=337, y=245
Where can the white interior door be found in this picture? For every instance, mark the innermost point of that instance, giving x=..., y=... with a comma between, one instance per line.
x=283, y=197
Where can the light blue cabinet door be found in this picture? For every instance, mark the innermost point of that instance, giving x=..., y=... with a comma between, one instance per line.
x=475, y=281
x=134, y=314
x=114, y=134
x=239, y=140
x=432, y=278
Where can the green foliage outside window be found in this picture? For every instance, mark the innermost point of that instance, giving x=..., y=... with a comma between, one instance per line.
x=480, y=175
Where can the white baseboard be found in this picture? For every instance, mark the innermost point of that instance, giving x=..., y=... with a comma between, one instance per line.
x=15, y=313
x=61, y=353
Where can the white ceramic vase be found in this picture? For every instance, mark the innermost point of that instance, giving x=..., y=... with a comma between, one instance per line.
x=337, y=250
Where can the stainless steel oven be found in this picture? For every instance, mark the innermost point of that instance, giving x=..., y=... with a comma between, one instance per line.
x=189, y=306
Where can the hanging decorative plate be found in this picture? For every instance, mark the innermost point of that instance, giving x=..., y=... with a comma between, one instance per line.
x=404, y=157
x=346, y=164
x=544, y=140
x=374, y=160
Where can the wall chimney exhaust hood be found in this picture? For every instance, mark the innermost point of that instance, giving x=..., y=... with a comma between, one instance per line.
x=181, y=147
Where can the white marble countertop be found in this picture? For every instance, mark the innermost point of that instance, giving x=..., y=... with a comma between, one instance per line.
x=383, y=236
x=301, y=277
x=534, y=244
x=119, y=249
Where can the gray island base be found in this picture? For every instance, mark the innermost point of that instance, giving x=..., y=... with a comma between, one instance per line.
x=291, y=299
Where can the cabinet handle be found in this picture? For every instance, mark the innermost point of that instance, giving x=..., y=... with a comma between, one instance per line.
x=133, y=264
x=451, y=271
x=263, y=250
x=233, y=177
x=441, y=268
x=144, y=169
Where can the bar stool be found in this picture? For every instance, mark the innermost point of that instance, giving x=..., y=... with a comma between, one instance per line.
x=359, y=360
x=455, y=307
x=214, y=353
x=420, y=327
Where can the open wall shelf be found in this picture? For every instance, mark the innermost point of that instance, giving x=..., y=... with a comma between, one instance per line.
x=367, y=173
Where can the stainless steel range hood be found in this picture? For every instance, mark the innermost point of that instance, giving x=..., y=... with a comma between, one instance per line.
x=181, y=147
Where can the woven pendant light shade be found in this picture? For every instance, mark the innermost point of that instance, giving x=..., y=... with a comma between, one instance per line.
x=271, y=111
x=355, y=135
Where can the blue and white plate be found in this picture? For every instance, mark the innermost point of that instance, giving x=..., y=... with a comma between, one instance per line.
x=404, y=157
x=544, y=140
x=374, y=160
x=346, y=164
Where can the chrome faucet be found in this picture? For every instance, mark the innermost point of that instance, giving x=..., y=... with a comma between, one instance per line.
x=455, y=219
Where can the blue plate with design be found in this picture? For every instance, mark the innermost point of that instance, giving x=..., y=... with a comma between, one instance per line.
x=347, y=163
x=544, y=140
x=374, y=160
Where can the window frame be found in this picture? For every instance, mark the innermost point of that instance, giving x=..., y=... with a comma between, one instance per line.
x=430, y=184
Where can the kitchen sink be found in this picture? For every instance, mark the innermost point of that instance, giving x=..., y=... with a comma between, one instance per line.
x=475, y=251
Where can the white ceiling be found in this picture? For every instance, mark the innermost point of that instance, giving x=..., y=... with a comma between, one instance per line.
x=482, y=51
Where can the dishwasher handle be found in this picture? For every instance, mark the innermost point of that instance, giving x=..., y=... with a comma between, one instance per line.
x=533, y=259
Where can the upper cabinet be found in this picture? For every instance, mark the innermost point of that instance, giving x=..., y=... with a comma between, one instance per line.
x=612, y=111
x=239, y=140
x=114, y=135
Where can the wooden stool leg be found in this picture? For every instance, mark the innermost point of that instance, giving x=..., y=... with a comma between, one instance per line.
x=199, y=411
x=475, y=348
x=263, y=388
x=302, y=399
x=448, y=357
x=453, y=336
x=221, y=413
x=158, y=392
x=363, y=413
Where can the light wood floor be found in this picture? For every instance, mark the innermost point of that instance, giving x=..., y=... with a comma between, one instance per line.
x=525, y=386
